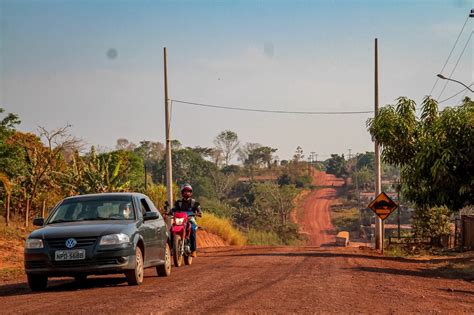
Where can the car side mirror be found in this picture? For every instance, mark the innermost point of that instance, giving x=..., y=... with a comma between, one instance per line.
x=38, y=221
x=150, y=216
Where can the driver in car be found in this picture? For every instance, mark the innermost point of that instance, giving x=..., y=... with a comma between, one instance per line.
x=125, y=210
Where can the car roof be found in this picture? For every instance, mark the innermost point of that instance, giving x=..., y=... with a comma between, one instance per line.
x=100, y=196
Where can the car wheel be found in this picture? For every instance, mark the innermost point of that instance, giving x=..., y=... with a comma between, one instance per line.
x=135, y=276
x=165, y=269
x=37, y=282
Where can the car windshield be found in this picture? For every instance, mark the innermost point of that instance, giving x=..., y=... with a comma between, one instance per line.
x=94, y=209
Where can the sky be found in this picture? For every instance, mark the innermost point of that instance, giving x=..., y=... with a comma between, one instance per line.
x=98, y=66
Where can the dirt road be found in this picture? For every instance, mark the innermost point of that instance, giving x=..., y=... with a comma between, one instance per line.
x=313, y=216
x=281, y=280
x=321, y=279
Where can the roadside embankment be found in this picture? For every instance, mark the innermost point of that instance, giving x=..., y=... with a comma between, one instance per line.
x=221, y=228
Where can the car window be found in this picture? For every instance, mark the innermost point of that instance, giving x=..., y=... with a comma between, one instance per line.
x=151, y=205
x=144, y=205
x=100, y=209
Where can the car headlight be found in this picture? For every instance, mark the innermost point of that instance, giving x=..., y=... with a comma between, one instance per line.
x=34, y=243
x=178, y=221
x=114, y=239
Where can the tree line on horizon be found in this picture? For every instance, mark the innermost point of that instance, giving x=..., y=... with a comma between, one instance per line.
x=39, y=170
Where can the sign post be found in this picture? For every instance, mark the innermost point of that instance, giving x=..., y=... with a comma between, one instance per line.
x=382, y=206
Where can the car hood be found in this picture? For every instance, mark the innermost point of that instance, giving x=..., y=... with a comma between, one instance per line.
x=82, y=229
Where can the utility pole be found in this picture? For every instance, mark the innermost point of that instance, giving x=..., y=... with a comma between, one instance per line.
x=378, y=181
x=309, y=165
x=169, y=172
x=350, y=154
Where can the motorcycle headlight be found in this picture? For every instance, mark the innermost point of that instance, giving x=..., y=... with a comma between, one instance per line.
x=34, y=243
x=114, y=239
x=178, y=221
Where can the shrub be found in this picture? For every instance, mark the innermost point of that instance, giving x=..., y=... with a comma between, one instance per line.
x=216, y=207
x=431, y=222
x=256, y=237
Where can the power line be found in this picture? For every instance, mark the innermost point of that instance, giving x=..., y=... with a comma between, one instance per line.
x=274, y=111
x=456, y=65
x=447, y=99
x=449, y=56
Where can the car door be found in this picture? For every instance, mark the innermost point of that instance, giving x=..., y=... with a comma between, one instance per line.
x=146, y=232
x=161, y=231
x=152, y=232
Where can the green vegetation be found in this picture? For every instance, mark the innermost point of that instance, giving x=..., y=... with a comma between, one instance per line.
x=40, y=169
x=434, y=153
x=346, y=219
x=263, y=238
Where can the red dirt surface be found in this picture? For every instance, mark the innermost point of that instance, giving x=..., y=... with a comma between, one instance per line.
x=231, y=280
x=313, y=216
x=205, y=239
x=261, y=280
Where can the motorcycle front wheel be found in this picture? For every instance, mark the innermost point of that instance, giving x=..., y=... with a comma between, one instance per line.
x=177, y=253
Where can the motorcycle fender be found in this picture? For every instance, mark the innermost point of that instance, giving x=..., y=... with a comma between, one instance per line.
x=177, y=229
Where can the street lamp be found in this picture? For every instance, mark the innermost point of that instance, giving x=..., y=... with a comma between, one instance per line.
x=449, y=79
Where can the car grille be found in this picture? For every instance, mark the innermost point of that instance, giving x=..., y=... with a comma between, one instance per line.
x=60, y=243
x=85, y=263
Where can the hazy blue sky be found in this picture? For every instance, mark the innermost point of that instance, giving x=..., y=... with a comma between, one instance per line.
x=282, y=55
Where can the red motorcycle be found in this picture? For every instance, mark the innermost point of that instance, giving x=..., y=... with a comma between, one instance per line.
x=181, y=232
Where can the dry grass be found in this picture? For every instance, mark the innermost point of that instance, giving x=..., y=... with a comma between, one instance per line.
x=12, y=239
x=222, y=228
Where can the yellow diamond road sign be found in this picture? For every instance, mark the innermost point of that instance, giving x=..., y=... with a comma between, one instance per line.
x=383, y=206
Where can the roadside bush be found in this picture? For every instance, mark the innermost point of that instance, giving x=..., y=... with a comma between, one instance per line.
x=346, y=219
x=431, y=222
x=256, y=237
x=216, y=207
x=288, y=234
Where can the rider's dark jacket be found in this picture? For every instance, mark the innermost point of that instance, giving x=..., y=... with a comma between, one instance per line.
x=190, y=205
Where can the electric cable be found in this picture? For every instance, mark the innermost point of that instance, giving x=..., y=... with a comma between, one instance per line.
x=275, y=111
x=449, y=56
x=463, y=90
x=456, y=65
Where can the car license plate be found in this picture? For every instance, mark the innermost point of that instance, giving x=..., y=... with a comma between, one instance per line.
x=73, y=254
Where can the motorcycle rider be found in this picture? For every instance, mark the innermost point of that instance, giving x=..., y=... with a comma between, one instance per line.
x=188, y=204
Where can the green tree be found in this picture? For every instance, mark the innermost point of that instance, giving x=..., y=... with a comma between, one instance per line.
x=336, y=165
x=278, y=199
x=434, y=152
x=227, y=142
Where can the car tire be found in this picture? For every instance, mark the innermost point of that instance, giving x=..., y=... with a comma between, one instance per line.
x=135, y=276
x=37, y=282
x=177, y=256
x=165, y=269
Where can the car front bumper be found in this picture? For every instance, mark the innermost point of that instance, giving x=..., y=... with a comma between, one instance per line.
x=41, y=261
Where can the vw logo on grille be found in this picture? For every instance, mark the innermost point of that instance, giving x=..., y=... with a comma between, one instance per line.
x=70, y=243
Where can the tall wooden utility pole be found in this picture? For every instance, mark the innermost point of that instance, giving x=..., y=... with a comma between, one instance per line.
x=169, y=172
x=378, y=182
